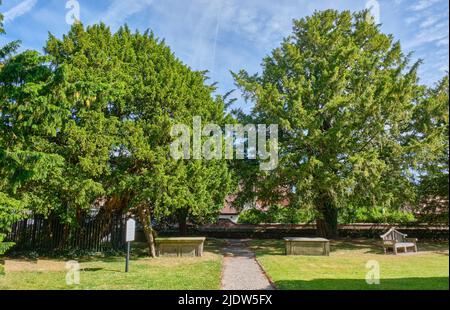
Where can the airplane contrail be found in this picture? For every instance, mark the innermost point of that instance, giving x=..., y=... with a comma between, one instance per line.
x=19, y=10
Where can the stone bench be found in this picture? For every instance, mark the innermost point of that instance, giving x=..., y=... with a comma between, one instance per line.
x=179, y=247
x=307, y=246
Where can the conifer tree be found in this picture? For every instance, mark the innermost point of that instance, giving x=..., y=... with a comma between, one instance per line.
x=346, y=99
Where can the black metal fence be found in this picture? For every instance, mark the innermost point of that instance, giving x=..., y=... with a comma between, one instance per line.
x=94, y=234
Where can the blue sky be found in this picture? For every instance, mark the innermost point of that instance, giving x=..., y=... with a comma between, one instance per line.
x=223, y=35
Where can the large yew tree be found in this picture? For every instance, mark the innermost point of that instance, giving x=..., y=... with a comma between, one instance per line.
x=11, y=209
x=90, y=121
x=125, y=91
x=345, y=97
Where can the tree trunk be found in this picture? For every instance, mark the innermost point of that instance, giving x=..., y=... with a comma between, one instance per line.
x=145, y=219
x=327, y=223
x=112, y=206
x=182, y=222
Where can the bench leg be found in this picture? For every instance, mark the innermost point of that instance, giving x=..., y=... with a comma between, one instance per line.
x=395, y=250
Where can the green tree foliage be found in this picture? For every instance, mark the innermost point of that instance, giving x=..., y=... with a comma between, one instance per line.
x=349, y=215
x=432, y=125
x=36, y=131
x=91, y=121
x=345, y=97
x=276, y=215
x=9, y=48
x=374, y=214
x=11, y=209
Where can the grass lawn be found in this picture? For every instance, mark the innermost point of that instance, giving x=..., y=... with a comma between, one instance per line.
x=101, y=273
x=346, y=268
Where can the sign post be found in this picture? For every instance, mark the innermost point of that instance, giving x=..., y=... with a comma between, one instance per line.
x=130, y=236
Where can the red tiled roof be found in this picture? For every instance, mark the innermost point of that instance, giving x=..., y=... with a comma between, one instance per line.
x=228, y=208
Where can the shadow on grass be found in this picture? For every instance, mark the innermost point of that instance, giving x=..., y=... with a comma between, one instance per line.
x=277, y=247
x=100, y=269
x=376, y=247
x=363, y=246
x=438, y=283
x=92, y=269
x=215, y=246
x=140, y=249
x=440, y=247
x=100, y=259
x=267, y=247
x=366, y=246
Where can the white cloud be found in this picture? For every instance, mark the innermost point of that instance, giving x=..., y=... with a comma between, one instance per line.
x=429, y=35
x=432, y=19
x=430, y=38
x=443, y=42
x=119, y=10
x=411, y=19
x=432, y=24
x=423, y=4
x=19, y=10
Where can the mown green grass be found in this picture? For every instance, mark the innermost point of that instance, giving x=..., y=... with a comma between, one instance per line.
x=346, y=268
x=107, y=273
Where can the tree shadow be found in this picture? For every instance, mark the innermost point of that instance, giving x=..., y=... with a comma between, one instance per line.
x=215, y=246
x=277, y=247
x=100, y=259
x=438, y=247
x=434, y=283
x=268, y=247
x=140, y=249
x=97, y=269
x=92, y=269
x=363, y=246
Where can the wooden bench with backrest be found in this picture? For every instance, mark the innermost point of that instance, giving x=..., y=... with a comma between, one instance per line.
x=395, y=240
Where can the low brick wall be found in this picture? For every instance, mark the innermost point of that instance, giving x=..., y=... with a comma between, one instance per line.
x=435, y=232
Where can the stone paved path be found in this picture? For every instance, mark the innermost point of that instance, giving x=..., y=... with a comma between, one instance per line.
x=241, y=271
